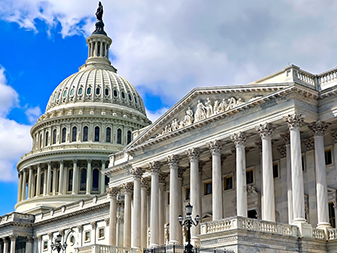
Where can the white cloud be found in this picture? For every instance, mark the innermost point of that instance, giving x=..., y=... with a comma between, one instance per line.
x=33, y=114
x=154, y=115
x=14, y=137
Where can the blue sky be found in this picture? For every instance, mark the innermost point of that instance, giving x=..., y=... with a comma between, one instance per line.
x=164, y=48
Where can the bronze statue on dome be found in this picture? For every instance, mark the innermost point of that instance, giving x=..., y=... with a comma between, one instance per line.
x=99, y=12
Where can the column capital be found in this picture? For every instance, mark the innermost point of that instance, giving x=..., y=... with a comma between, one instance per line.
x=39, y=165
x=181, y=172
x=49, y=163
x=137, y=172
x=13, y=237
x=333, y=134
x=50, y=235
x=89, y=161
x=162, y=178
x=61, y=162
x=193, y=153
x=128, y=188
x=286, y=137
x=319, y=127
x=239, y=138
x=107, y=221
x=80, y=228
x=61, y=232
x=265, y=130
x=75, y=161
x=309, y=144
x=113, y=191
x=215, y=147
x=145, y=183
x=154, y=167
x=294, y=120
x=93, y=224
x=172, y=160
x=282, y=150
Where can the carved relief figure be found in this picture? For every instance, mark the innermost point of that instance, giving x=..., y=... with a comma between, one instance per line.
x=174, y=125
x=209, y=108
x=216, y=106
x=200, y=113
x=231, y=103
x=223, y=106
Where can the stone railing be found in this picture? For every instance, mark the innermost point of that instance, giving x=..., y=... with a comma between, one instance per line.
x=17, y=217
x=248, y=224
x=97, y=248
x=318, y=234
x=328, y=77
x=305, y=77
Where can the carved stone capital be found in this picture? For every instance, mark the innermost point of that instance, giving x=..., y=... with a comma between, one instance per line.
x=107, y=221
x=145, y=183
x=266, y=130
x=49, y=163
x=80, y=228
x=173, y=160
x=89, y=161
x=50, y=235
x=286, y=137
x=75, y=161
x=215, y=147
x=137, y=172
x=113, y=191
x=61, y=162
x=282, y=150
x=333, y=134
x=13, y=237
x=181, y=172
x=154, y=167
x=294, y=120
x=319, y=127
x=61, y=232
x=193, y=153
x=93, y=224
x=162, y=178
x=128, y=188
x=309, y=144
x=239, y=138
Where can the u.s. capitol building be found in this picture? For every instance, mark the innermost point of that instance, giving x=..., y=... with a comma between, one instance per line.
x=256, y=161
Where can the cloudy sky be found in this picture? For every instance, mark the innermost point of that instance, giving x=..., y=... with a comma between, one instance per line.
x=164, y=48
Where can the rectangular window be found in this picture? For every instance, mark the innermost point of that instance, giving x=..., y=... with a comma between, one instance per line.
x=45, y=245
x=188, y=193
x=228, y=183
x=328, y=156
x=101, y=233
x=275, y=170
x=208, y=188
x=87, y=236
x=332, y=216
x=303, y=163
x=250, y=177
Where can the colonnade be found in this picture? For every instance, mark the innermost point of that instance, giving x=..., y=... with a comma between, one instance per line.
x=60, y=178
x=9, y=244
x=295, y=186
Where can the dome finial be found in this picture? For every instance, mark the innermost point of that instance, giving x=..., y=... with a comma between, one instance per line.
x=99, y=24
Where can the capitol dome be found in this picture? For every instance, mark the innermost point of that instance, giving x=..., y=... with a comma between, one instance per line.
x=90, y=115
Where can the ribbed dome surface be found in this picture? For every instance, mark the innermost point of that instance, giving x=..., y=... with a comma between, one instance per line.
x=99, y=85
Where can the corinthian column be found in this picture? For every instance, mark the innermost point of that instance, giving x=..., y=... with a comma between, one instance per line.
x=30, y=182
x=89, y=177
x=173, y=162
x=239, y=140
x=294, y=122
x=38, y=180
x=20, y=187
x=193, y=155
x=62, y=187
x=13, y=241
x=112, y=192
x=127, y=188
x=154, y=217
x=47, y=192
x=162, y=203
x=102, y=179
x=76, y=178
x=136, y=223
x=145, y=184
x=268, y=211
x=23, y=197
x=319, y=128
x=215, y=148
x=29, y=244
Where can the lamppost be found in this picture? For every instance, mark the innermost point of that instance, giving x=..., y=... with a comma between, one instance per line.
x=58, y=243
x=188, y=222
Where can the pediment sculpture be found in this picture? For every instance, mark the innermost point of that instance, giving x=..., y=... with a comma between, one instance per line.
x=203, y=111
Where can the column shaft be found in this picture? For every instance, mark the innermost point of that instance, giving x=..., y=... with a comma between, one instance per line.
x=24, y=181
x=47, y=192
x=13, y=241
x=127, y=220
x=174, y=203
x=29, y=245
x=102, y=178
x=76, y=178
x=45, y=178
x=30, y=182
x=289, y=186
x=161, y=222
x=38, y=180
x=20, y=187
x=143, y=216
x=136, y=213
x=54, y=181
x=62, y=187
x=6, y=245
x=89, y=178
x=154, y=217
x=113, y=214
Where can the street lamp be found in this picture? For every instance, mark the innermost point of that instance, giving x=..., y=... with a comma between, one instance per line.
x=188, y=222
x=58, y=242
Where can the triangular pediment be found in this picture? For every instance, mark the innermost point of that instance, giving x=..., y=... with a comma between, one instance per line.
x=202, y=105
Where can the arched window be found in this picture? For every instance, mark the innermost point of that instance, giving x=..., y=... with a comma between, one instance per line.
x=108, y=134
x=129, y=136
x=51, y=181
x=74, y=134
x=83, y=184
x=95, y=176
x=64, y=133
x=97, y=133
x=70, y=180
x=119, y=136
x=41, y=143
x=47, y=138
x=54, y=136
x=85, y=133
x=42, y=183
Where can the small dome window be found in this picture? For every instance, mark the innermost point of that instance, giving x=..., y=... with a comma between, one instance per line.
x=106, y=92
x=98, y=91
x=80, y=91
x=54, y=97
x=89, y=91
x=115, y=93
x=130, y=98
x=72, y=92
x=64, y=93
x=136, y=100
x=123, y=95
x=58, y=96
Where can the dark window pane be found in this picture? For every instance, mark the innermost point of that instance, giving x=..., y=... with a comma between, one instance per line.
x=64, y=133
x=70, y=180
x=42, y=183
x=108, y=134
x=96, y=133
x=328, y=157
x=85, y=133
x=54, y=136
x=47, y=138
x=228, y=183
x=249, y=177
x=83, y=183
x=95, y=176
x=129, y=136
x=119, y=136
x=74, y=133
x=106, y=180
x=275, y=170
